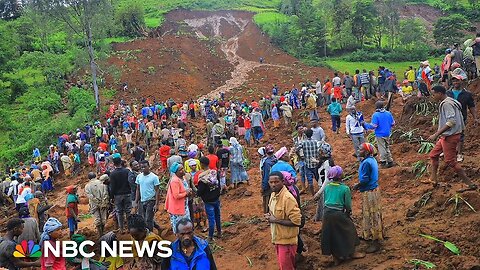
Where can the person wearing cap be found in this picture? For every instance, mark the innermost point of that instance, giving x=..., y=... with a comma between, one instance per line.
x=176, y=201
x=15, y=227
x=265, y=168
x=450, y=128
x=465, y=98
x=71, y=209
x=373, y=230
x=354, y=128
x=285, y=219
x=98, y=200
x=339, y=235
x=382, y=123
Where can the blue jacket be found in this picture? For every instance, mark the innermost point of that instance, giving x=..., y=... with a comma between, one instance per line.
x=202, y=259
x=266, y=167
x=282, y=166
x=382, y=122
x=368, y=174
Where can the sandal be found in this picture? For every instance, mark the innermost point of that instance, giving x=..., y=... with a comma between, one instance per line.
x=204, y=230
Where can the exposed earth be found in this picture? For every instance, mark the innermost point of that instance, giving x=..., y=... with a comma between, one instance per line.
x=203, y=53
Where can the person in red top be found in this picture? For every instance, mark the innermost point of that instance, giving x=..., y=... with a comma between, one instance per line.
x=71, y=209
x=212, y=157
x=164, y=152
x=248, y=128
x=255, y=104
x=103, y=145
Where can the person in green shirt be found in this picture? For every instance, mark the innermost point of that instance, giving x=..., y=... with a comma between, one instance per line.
x=339, y=236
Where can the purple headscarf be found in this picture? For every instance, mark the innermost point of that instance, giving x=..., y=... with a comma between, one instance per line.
x=289, y=182
x=335, y=172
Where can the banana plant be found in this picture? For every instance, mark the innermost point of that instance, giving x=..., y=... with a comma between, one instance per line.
x=457, y=199
x=425, y=147
x=449, y=245
x=419, y=168
x=417, y=263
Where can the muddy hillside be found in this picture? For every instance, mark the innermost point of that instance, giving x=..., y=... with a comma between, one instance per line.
x=199, y=54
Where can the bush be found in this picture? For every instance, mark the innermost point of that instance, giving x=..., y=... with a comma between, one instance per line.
x=131, y=19
x=385, y=55
x=78, y=99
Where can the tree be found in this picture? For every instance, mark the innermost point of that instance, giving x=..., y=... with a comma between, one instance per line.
x=411, y=32
x=448, y=30
x=363, y=20
x=311, y=34
x=388, y=18
x=82, y=17
x=10, y=9
x=290, y=7
x=131, y=19
x=340, y=31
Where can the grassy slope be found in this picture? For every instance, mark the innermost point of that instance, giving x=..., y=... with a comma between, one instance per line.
x=397, y=67
x=156, y=9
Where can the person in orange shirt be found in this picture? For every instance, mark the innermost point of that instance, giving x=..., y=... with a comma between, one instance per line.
x=337, y=93
x=103, y=145
x=327, y=91
x=164, y=152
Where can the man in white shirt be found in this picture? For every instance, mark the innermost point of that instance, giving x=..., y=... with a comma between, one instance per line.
x=354, y=129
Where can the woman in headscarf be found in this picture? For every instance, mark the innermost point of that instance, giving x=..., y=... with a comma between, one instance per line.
x=176, y=202
x=283, y=165
x=289, y=182
x=372, y=224
x=52, y=232
x=67, y=164
x=339, y=236
x=237, y=170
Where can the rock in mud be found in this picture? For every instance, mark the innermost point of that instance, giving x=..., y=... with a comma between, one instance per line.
x=411, y=212
x=247, y=193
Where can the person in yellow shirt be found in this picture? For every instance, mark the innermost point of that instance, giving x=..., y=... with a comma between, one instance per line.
x=407, y=90
x=139, y=232
x=114, y=262
x=410, y=74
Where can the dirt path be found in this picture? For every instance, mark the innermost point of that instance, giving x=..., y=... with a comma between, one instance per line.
x=242, y=67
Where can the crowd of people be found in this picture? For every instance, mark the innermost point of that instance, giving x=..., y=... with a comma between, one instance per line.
x=198, y=165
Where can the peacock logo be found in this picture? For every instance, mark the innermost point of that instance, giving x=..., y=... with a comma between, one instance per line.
x=27, y=250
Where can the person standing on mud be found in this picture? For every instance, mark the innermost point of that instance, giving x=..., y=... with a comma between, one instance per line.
x=450, y=128
x=372, y=223
x=98, y=200
x=459, y=93
x=285, y=218
x=120, y=192
x=382, y=123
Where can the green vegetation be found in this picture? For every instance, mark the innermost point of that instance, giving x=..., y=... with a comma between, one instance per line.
x=397, y=67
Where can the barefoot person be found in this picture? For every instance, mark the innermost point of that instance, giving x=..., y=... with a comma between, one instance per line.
x=339, y=236
x=450, y=128
x=372, y=223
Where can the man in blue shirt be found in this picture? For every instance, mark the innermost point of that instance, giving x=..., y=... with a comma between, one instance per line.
x=382, y=123
x=147, y=193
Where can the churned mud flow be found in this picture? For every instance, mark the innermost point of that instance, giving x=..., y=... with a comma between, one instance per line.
x=230, y=47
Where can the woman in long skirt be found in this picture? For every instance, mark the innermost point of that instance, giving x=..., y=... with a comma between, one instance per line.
x=238, y=173
x=176, y=202
x=339, y=236
x=372, y=221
